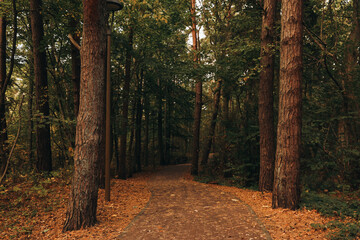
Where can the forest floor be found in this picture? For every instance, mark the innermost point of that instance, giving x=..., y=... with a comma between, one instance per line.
x=33, y=209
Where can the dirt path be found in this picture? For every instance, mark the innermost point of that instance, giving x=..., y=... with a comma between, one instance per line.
x=180, y=209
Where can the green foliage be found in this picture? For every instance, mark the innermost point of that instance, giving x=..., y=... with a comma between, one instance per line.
x=340, y=230
x=330, y=206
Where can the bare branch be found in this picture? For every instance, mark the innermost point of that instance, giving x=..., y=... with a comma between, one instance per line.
x=72, y=40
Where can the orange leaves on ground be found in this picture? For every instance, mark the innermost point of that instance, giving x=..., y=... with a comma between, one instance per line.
x=281, y=223
x=128, y=198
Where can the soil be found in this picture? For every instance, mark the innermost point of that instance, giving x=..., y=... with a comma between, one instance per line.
x=181, y=209
x=176, y=208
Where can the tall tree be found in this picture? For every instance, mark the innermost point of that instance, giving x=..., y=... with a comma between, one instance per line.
x=81, y=211
x=125, y=107
x=198, y=97
x=139, y=114
x=43, y=146
x=214, y=115
x=160, y=124
x=75, y=65
x=5, y=78
x=3, y=130
x=266, y=99
x=147, y=127
x=286, y=192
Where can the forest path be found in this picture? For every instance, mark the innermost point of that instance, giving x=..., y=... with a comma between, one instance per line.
x=181, y=209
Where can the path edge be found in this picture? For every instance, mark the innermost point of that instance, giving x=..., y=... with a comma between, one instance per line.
x=256, y=217
x=132, y=222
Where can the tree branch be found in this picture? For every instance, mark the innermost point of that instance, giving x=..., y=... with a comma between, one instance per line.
x=72, y=40
x=14, y=143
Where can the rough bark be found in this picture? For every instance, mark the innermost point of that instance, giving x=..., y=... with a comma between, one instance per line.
x=266, y=99
x=198, y=99
x=125, y=107
x=43, y=146
x=81, y=211
x=211, y=134
x=286, y=192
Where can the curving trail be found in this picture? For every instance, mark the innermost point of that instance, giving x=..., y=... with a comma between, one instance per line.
x=181, y=209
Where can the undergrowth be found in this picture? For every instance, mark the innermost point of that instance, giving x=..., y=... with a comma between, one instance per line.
x=23, y=198
x=340, y=208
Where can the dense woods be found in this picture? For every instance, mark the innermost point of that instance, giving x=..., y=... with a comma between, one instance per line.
x=260, y=94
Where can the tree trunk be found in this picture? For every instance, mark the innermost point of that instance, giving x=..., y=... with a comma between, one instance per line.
x=266, y=99
x=30, y=110
x=130, y=159
x=153, y=148
x=81, y=211
x=75, y=67
x=147, y=126
x=160, y=127
x=138, y=124
x=43, y=146
x=125, y=108
x=207, y=149
x=198, y=99
x=286, y=192
x=167, y=126
x=3, y=128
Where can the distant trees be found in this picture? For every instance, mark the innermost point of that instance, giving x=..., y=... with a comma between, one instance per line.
x=286, y=192
x=123, y=169
x=43, y=143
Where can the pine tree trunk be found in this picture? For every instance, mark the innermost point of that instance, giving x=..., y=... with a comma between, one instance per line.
x=266, y=99
x=43, y=147
x=138, y=125
x=30, y=110
x=147, y=127
x=130, y=159
x=160, y=127
x=286, y=192
x=198, y=99
x=3, y=128
x=81, y=211
x=75, y=67
x=125, y=107
x=167, y=126
x=207, y=149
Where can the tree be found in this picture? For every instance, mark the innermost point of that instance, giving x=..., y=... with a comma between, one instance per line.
x=139, y=114
x=266, y=99
x=81, y=211
x=214, y=115
x=198, y=97
x=125, y=107
x=286, y=192
x=75, y=65
x=3, y=130
x=43, y=146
